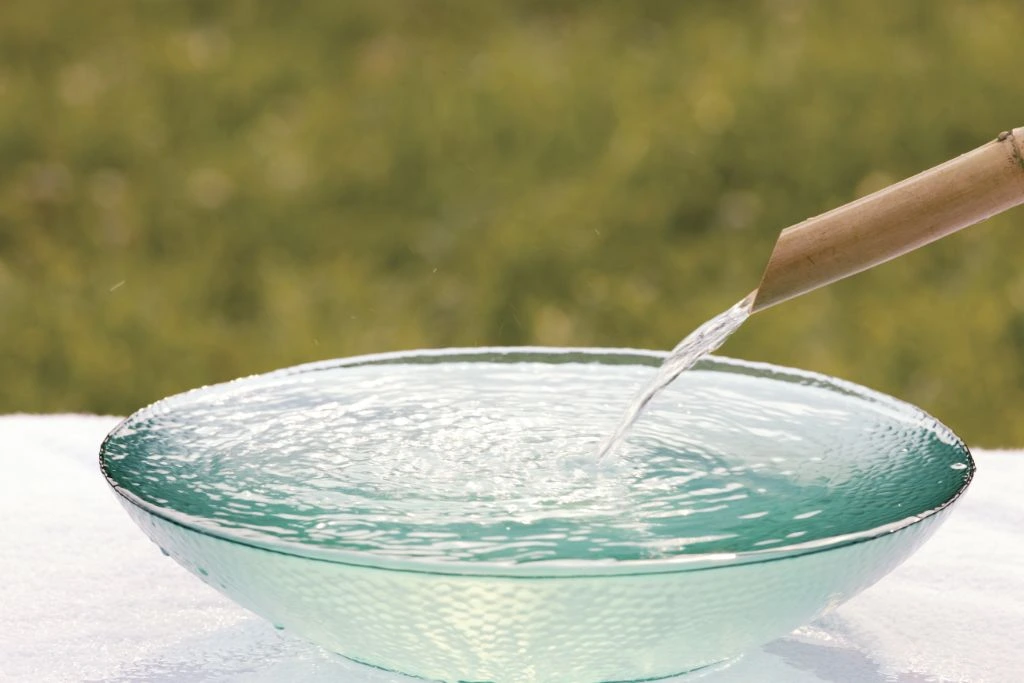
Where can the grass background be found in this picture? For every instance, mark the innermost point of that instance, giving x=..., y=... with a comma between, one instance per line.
x=192, y=191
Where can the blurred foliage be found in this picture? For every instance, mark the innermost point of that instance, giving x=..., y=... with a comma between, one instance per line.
x=192, y=191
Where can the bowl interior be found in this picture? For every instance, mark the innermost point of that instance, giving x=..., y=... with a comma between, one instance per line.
x=482, y=461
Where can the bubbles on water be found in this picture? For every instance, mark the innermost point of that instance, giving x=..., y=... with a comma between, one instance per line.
x=489, y=461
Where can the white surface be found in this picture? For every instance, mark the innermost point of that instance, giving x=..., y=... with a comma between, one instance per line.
x=84, y=596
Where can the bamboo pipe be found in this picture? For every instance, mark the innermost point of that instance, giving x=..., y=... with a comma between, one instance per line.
x=895, y=220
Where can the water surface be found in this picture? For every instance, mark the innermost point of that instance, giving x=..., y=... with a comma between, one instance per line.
x=491, y=461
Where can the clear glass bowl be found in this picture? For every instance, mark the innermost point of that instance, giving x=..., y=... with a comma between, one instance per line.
x=613, y=619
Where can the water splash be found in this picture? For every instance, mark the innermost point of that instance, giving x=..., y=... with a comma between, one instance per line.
x=684, y=356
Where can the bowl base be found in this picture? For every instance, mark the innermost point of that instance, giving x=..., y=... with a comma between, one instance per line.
x=680, y=677
x=687, y=676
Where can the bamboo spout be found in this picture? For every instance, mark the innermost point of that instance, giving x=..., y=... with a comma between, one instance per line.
x=895, y=220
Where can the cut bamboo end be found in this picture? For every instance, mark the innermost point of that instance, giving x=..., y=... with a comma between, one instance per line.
x=895, y=220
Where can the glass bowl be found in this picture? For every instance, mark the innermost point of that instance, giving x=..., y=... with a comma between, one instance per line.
x=859, y=481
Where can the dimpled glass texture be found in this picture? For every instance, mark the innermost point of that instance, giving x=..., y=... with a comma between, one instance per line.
x=443, y=513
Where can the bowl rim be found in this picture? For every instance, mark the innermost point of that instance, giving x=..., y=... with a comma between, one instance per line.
x=563, y=568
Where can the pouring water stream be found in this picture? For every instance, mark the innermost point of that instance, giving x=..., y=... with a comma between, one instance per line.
x=699, y=343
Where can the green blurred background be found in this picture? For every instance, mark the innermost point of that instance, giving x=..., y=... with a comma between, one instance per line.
x=193, y=191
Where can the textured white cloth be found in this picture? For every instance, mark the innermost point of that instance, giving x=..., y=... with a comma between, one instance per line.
x=84, y=596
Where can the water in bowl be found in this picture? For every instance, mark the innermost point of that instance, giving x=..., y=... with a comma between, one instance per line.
x=484, y=459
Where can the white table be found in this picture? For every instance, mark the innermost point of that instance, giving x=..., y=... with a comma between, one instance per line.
x=84, y=596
